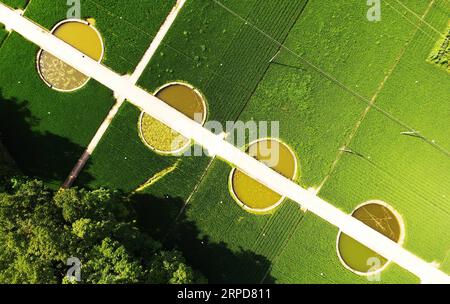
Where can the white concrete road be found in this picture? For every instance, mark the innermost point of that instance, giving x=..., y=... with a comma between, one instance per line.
x=188, y=128
x=133, y=78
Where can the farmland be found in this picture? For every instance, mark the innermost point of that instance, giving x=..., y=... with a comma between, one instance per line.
x=298, y=95
x=358, y=102
x=57, y=126
x=394, y=168
x=206, y=76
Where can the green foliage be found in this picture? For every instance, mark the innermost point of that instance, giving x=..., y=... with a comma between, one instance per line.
x=170, y=266
x=441, y=53
x=21, y=4
x=40, y=230
x=7, y=165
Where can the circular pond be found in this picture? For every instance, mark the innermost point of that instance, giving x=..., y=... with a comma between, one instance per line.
x=357, y=257
x=85, y=38
x=252, y=195
x=184, y=98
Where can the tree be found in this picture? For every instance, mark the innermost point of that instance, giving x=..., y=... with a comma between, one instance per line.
x=41, y=229
x=169, y=266
x=7, y=165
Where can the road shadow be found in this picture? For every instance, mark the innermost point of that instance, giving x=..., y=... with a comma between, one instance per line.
x=161, y=219
x=38, y=154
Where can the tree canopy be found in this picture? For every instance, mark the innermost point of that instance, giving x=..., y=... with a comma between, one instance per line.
x=7, y=166
x=40, y=229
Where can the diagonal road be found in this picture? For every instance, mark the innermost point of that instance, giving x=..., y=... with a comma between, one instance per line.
x=133, y=78
x=221, y=148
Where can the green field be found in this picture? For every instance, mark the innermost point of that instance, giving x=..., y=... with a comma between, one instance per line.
x=55, y=126
x=305, y=101
x=21, y=4
x=206, y=75
x=338, y=81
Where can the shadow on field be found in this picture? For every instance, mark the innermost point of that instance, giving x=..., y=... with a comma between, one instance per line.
x=299, y=68
x=157, y=217
x=41, y=155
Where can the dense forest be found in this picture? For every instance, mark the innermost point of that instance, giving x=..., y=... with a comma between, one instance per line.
x=42, y=231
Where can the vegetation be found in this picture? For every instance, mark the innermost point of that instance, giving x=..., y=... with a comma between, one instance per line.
x=137, y=162
x=3, y=34
x=317, y=117
x=14, y=4
x=58, y=126
x=40, y=229
x=126, y=30
x=350, y=56
x=20, y=4
x=7, y=165
x=408, y=172
x=246, y=76
x=441, y=53
x=221, y=57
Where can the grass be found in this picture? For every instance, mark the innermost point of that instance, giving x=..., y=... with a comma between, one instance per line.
x=306, y=102
x=121, y=150
x=441, y=53
x=3, y=34
x=234, y=72
x=407, y=172
x=221, y=55
x=14, y=4
x=127, y=31
x=418, y=87
x=218, y=58
x=45, y=130
x=264, y=235
x=388, y=174
x=310, y=257
x=230, y=63
x=315, y=114
x=400, y=170
x=213, y=39
x=17, y=4
x=412, y=180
